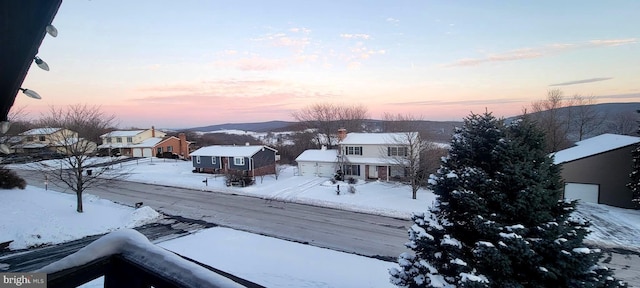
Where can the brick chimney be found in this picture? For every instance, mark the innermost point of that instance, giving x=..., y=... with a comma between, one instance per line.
x=184, y=145
x=342, y=133
x=153, y=131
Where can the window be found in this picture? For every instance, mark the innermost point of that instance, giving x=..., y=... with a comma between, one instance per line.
x=159, y=150
x=129, y=139
x=397, y=151
x=198, y=159
x=238, y=161
x=108, y=139
x=119, y=139
x=352, y=150
x=42, y=138
x=213, y=159
x=353, y=170
x=397, y=172
x=169, y=148
x=30, y=138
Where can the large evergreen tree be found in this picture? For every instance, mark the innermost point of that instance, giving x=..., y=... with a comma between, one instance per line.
x=634, y=183
x=498, y=221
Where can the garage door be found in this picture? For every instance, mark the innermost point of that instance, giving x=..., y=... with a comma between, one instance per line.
x=326, y=169
x=305, y=169
x=137, y=152
x=316, y=169
x=146, y=152
x=583, y=192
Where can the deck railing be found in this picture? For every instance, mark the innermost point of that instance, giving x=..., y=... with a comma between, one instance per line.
x=137, y=264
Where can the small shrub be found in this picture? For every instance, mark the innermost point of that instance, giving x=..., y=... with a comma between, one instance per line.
x=352, y=189
x=9, y=179
x=352, y=180
x=237, y=177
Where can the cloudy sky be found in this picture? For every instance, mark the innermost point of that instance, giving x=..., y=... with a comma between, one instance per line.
x=179, y=64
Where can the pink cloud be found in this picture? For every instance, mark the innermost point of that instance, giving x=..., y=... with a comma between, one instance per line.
x=530, y=53
x=507, y=56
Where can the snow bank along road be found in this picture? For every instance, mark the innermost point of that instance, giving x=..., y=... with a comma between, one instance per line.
x=352, y=232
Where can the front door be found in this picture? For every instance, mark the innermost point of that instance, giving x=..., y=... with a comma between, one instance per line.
x=373, y=172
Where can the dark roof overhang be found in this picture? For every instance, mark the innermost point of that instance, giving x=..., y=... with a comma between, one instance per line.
x=22, y=28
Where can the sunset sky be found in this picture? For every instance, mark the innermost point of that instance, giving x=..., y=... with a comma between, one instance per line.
x=180, y=64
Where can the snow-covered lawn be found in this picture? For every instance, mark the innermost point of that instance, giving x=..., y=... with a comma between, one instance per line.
x=379, y=197
x=34, y=217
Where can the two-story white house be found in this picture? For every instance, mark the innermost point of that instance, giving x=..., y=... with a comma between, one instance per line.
x=136, y=143
x=361, y=156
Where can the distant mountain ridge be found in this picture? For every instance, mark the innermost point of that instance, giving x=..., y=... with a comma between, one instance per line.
x=608, y=111
x=255, y=126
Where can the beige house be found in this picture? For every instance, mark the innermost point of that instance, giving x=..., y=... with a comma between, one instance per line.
x=597, y=169
x=58, y=140
x=133, y=143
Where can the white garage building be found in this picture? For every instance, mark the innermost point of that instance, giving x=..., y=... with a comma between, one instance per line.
x=318, y=162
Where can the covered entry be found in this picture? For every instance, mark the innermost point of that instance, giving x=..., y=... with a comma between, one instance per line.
x=583, y=192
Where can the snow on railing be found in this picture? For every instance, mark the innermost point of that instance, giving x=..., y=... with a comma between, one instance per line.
x=126, y=257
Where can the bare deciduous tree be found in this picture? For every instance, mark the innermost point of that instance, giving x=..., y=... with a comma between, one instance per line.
x=624, y=123
x=77, y=129
x=412, y=147
x=584, y=118
x=550, y=118
x=406, y=156
x=302, y=141
x=279, y=169
x=327, y=118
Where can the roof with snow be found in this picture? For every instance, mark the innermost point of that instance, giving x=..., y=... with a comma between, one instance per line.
x=377, y=138
x=230, y=151
x=173, y=137
x=318, y=155
x=41, y=131
x=122, y=133
x=595, y=145
x=151, y=142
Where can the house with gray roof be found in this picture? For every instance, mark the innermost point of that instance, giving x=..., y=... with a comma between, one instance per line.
x=597, y=169
x=253, y=160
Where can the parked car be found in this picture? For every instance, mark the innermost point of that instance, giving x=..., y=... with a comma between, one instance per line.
x=16, y=158
x=47, y=155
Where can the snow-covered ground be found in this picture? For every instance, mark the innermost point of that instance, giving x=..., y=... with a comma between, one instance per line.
x=271, y=262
